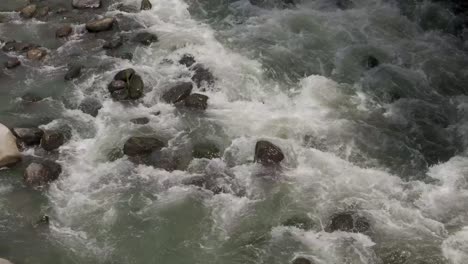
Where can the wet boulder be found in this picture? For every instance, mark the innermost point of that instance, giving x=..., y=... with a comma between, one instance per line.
x=116, y=85
x=29, y=136
x=140, y=121
x=135, y=87
x=206, y=150
x=90, y=106
x=146, y=5
x=301, y=260
x=41, y=173
x=124, y=75
x=145, y=38
x=267, y=153
x=202, y=76
x=12, y=63
x=82, y=4
x=187, y=60
x=348, y=222
x=36, y=54
x=74, y=71
x=63, y=31
x=178, y=92
x=196, y=101
x=53, y=139
x=136, y=146
x=100, y=25
x=9, y=153
x=28, y=11
x=126, y=85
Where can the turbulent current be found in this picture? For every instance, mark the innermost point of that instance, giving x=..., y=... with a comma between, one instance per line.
x=367, y=99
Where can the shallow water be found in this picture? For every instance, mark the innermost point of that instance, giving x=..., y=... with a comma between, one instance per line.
x=387, y=142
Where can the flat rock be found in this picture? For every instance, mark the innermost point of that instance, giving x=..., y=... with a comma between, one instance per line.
x=82, y=4
x=41, y=173
x=9, y=153
x=29, y=136
x=64, y=31
x=100, y=25
x=136, y=146
x=178, y=92
x=267, y=153
x=196, y=101
x=12, y=63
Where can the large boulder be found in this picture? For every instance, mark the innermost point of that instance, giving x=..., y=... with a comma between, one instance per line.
x=90, y=106
x=64, y=31
x=146, y=5
x=41, y=173
x=100, y=25
x=196, y=101
x=29, y=136
x=267, y=153
x=348, y=222
x=9, y=153
x=136, y=146
x=28, y=11
x=178, y=92
x=82, y=4
x=53, y=139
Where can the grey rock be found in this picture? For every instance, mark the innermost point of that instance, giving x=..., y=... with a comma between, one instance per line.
x=39, y=174
x=202, y=76
x=267, y=153
x=12, y=63
x=301, y=260
x=28, y=11
x=135, y=87
x=348, y=222
x=42, y=12
x=29, y=136
x=116, y=85
x=187, y=60
x=82, y=4
x=113, y=43
x=124, y=75
x=100, y=25
x=145, y=38
x=127, y=8
x=178, y=92
x=31, y=98
x=206, y=150
x=90, y=106
x=136, y=146
x=299, y=221
x=64, y=31
x=53, y=139
x=196, y=101
x=146, y=5
x=199, y=181
x=74, y=71
x=36, y=54
x=120, y=95
x=140, y=121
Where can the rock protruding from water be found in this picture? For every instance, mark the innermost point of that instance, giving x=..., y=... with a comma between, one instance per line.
x=178, y=92
x=41, y=173
x=196, y=101
x=202, y=76
x=146, y=5
x=137, y=146
x=145, y=38
x=301, y=260
x=53, y=139
x=100, y=25
x=28, y=11
x=12, y=63
x=126, y=85
x=4, y=261
x=74, y=71
x=9, y=153
x=64, y=31
x=90, y=106
x=83, y=4
x=299, y=221
x=348, y=222
x=29, y=136
x=267, y=153
x=206, y=150
x=187, y=60
x=36, y=54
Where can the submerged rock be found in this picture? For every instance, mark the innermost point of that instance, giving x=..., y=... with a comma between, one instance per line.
x=12, y=63
x=31, y=98
x=64, y=31
x=39, y=174
x=301, y=260
x=206, y=150
x=136, y=146
x=36, y=54
x=9, y=153
x=53, y=139
x=100, y=25
x=113, y=43
x=267, y=153
x=146, y=5
x=140, y=121
x=127, y=8
x=82, y=4
x=202, y=76
x=187, y=60
x=42, y=12
x=299, y=221
x=43, y=221
x=74, y=71
x=371, y=62
x=344, y=4
x=196, y=101
x=178, y=92
x=145, y=38
x=90, y=106
x=348, y=222
x=18, y=46
x=198, y=180
x=28, y=11
x=29, y=136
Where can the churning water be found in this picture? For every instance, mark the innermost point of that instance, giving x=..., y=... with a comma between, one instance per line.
x=366, y=98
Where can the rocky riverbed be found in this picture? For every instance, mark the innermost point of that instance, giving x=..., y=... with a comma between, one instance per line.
x=241, y=131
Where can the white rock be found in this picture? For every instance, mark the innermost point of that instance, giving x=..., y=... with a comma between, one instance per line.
x=9, y=153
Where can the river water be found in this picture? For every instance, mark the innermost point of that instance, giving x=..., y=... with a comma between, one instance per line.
x=387, y=142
